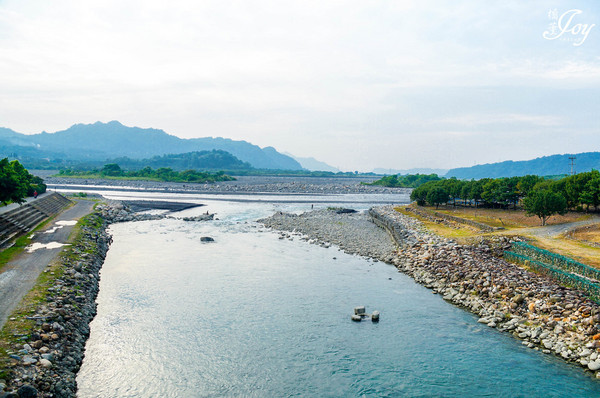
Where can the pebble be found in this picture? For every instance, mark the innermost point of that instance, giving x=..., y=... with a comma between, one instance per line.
x=593, y=365
x=247, y=184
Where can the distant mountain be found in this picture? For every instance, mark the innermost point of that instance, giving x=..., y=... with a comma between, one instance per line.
x=100, y=141
x=544, y=166
x=202, y=160
x=439, y=172
x=313, y=164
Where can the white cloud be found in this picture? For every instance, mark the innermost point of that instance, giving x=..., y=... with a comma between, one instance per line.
x=299, y=75
x=501, y=119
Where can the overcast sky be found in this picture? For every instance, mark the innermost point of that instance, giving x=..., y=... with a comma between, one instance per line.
x=357, y=84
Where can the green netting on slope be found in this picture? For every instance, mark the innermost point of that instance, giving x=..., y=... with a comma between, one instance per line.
x=556, y=260
x=566, y=278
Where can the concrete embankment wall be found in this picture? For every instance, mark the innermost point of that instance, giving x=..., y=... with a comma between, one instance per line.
x=24, y=218
x=400, y=235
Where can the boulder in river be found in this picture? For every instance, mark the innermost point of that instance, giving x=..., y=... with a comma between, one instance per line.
x=345, y=211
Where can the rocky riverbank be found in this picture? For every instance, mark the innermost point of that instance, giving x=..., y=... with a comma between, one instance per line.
x=44, y=360
x=352, y=232
x=544, y=315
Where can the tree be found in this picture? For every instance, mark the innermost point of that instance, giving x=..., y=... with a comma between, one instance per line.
x=574, y=186
x=477, y=191
x=591, y=191
x=526, y=184
x=544, y=204
x=112, y=170
x=15, y=181
x=509, y=193
x=454, y=188
x=465, y=192
x=419, y=194
x=23, y=181
x=437, y=196
x=36, y=185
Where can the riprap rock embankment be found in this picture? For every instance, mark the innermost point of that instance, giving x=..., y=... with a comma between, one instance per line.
x=45, y=364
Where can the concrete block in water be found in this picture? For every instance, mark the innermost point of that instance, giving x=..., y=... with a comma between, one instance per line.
x=375, y=316
x=359, y=310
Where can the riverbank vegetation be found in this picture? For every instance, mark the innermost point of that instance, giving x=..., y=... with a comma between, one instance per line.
x=113, y=170
x=134, y=169
x=539, y=196
x=16, y=183
x=199, y=160
x=406, y=181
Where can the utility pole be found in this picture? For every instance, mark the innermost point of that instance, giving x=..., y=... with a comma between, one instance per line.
x=572, y=164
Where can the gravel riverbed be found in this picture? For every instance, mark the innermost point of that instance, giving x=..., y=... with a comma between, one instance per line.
x=243, y=184
x=544, y=315
x=326, y=227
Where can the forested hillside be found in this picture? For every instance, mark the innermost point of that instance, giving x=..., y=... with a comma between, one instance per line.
x=544, y=166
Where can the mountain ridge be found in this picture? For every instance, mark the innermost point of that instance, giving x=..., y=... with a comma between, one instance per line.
x=100, y=141
x=313, y=164
x=557, y=164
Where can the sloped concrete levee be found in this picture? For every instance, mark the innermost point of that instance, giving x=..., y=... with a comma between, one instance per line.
x=23, y=219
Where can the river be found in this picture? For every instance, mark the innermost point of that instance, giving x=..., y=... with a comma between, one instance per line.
x=253, y=315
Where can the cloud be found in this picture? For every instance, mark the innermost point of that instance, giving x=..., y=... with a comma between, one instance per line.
x=302, y=76
x=479, y=120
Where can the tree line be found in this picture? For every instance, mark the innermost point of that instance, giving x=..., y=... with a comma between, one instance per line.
x=160, y=174
x=537, y=195
x=406, y=181
x=16, y=183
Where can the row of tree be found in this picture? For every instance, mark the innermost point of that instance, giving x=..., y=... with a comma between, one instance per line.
x=406, y=181
x=539, y=196
x=160, y=174
x=16, y=183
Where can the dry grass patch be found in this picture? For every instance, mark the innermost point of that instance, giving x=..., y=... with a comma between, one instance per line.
x=586, y=233
x=506, y=218
x=576, y=250
x=463, y=234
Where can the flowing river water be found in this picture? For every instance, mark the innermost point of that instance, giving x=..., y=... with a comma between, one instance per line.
x=253, y=315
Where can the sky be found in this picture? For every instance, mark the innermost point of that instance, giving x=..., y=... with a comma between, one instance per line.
x=357, y=84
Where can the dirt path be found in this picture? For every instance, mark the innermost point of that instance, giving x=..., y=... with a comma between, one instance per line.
x=553, y=231
x=20, y=275
x=550, y=237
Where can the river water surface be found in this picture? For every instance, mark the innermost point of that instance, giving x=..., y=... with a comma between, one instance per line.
x=253, y=315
